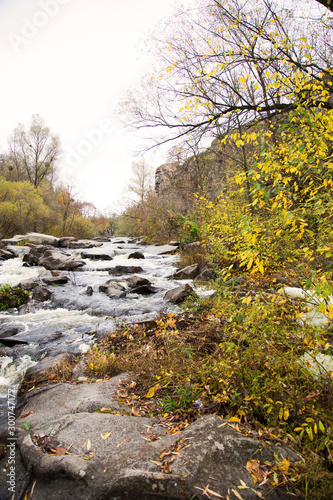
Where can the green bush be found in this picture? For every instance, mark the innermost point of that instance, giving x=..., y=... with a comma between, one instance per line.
x=12, y=297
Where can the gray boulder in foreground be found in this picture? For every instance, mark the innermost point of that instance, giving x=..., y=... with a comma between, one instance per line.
x=115, y=456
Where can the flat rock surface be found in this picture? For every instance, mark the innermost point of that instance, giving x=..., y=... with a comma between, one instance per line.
x=161, y=249
x=116, y=456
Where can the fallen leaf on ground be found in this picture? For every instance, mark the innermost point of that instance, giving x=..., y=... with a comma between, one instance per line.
x=206, y=490
x=59, y=451
x=152, y=390
x=105, y=436
x=253, y=467
x=24, y=415
x=237, y=494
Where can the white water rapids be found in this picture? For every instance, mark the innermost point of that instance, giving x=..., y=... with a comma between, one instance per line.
x=72, y=317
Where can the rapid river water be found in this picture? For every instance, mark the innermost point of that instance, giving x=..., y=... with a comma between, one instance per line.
x=73, y=319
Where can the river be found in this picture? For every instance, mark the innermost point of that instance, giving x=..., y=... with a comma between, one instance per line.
x=73, y=319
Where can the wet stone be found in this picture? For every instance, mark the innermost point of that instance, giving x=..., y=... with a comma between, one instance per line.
x=136, y=255
x=41, y=293
x=119, y=270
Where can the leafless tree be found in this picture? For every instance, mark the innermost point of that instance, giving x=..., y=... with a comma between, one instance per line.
x=33, y=153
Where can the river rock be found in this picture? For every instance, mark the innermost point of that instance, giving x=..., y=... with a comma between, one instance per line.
x=135, y=281
x=10, y=330
x=124, y=465
x=52, y=259
x=84, y=244
x=119, y=270
x=66, y=240
x=6, y=254
x=205, y=273
x=11, y=341
x=146, y=289
x=34, y=372
x=41, y=293
x=54, y=278
x=96, y=255
x=162, y=249
x=187, y=273
x=30, y=283
x=136, y=255
x=35, y=238
x=113, y=290
x=178, y=294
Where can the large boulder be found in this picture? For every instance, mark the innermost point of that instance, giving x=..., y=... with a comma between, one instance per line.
x=179, y=294
x=35, y=238
x=187, y=273
x=52, y=259
x=76, y=442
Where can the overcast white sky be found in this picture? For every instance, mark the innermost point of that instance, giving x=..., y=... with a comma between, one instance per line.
x=69, y=61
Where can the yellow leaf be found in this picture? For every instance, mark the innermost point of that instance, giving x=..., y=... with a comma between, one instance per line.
x=285, y=414
x=152, y=390
x=234, y=419
x=88, y=445
x=247, y=300
x=249, y=264
x=253, y=467
x=284, y=465
x=237, y=494
x=105, y=436
x=310, y=433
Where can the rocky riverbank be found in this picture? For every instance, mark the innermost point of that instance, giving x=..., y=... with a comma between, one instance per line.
x=76, y=441
x=83, y=439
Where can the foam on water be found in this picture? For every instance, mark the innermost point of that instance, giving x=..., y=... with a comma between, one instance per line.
x=12, y=371
x=12, y=272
